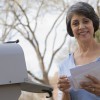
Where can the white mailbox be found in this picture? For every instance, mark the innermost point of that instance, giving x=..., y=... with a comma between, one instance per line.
x=13, y=73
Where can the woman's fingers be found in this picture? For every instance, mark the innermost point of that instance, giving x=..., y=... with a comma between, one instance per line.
x=93, y=79
x=63, y=76
x=92, y=90
x=63, y=83
x=63, y=86
x=63, y=79
x=86, y=84
x=91, y=87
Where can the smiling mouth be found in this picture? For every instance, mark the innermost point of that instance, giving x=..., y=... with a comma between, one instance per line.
x=83, y=33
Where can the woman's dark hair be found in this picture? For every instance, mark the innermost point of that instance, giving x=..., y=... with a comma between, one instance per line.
x=85, y=9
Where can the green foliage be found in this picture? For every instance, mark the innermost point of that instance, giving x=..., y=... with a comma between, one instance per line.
x=97, y=36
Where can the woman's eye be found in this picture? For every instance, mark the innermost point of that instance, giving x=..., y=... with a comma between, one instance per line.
x=75, y=23
x=86, y=21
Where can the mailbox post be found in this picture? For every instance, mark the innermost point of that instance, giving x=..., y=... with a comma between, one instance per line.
x=13, y=74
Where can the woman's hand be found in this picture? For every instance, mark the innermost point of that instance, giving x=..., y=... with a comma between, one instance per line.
x=93, y=86
x=63, y=83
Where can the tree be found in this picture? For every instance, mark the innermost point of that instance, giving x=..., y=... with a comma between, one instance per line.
x=22, y=17
x=98, y=12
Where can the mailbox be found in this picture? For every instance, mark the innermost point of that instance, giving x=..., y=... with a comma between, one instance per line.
x=13, y=73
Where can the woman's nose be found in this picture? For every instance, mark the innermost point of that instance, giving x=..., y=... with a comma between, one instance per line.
x=81, y=25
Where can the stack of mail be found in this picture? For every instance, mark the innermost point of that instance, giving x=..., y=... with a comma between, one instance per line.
x=79, y=74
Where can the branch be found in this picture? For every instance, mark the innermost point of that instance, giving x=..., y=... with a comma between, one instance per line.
x=54, y=53
x=40, y=80
x=51, y=31
x=20, y=23
x=98, y=7
x=7, y=30
x=22, y=11
x=28, y=25
x=38, y=15
x=56, y=33
x=36, y=44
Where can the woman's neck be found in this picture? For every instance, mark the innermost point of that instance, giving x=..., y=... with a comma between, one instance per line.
x=87, y=47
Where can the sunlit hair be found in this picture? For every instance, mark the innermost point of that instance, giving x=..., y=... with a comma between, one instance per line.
x=82, y=8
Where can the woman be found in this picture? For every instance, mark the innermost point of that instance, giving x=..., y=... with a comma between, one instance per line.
x=82, y=23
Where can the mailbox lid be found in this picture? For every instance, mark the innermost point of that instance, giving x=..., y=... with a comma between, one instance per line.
x=12, y=64
x=35, y=87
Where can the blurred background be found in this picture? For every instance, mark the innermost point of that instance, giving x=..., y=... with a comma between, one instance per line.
x=40, y=26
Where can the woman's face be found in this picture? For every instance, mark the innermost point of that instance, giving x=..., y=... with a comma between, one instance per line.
x=82, y=27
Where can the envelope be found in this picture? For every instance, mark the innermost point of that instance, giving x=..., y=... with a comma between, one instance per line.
x=79, y=73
